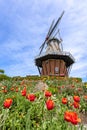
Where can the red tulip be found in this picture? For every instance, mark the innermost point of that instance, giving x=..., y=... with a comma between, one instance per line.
x=63, y=86
x=31, y=97
x=76, y=105
x=23, y=92
x=64, y=100
x=67, y=116
x=48, y=94
x=79, y=89
x=76, y=98
x=16, y=89
x=8, y=103
x=72, y=117
x=72, y=86
x=4, y=91
x=50, y=104
x=12, y=88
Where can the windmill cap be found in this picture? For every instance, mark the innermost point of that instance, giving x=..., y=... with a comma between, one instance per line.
x=53, y=39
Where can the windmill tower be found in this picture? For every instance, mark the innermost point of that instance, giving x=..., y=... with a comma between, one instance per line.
x=54, y=61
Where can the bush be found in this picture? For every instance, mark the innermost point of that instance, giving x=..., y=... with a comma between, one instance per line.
x=4, y=77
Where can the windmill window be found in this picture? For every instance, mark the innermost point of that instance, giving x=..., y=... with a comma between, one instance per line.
x=56, y=69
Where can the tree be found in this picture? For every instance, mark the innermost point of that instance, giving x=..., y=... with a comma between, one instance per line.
x=2, y=71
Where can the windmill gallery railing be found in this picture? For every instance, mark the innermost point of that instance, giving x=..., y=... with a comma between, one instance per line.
x=64, y=53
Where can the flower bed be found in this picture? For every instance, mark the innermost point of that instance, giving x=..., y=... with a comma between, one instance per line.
x=59, y=107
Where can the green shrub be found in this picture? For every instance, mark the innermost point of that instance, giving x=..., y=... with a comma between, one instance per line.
x=4, y=77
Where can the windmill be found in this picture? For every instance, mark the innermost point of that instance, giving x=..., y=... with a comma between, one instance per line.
x=54, y=61
x=51, y=31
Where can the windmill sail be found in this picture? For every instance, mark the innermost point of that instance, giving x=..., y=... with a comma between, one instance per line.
x=51, y=31
x=47, y=37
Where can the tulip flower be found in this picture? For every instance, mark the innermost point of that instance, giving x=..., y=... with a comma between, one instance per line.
x=50, y=104
x=23, y=92
x=16, y=89
x=76, y=105
x=4, y=91
x=48, y=94
x=7, y=103
x=72, y=117
x=76, y=98
x=64, y=100
x=31, y=97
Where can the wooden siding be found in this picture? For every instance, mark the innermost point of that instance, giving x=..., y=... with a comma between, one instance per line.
x=54, y=67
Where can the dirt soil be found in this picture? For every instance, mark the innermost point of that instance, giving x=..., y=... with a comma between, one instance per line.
x=83, y=118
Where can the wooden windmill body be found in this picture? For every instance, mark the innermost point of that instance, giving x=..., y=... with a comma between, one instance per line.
x=54, y=61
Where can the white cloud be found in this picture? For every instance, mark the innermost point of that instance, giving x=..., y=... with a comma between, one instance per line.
x=70, y=3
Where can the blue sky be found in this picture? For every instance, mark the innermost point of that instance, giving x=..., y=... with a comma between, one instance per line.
x=23, y=27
